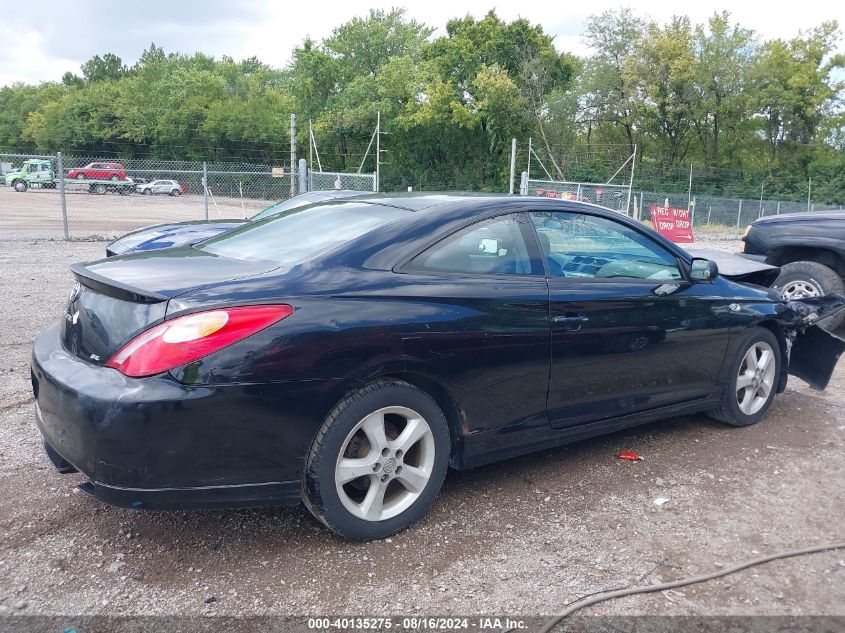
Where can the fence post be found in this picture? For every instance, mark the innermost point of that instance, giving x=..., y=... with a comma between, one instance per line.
x=303, y=178
x=292, y=154
x=375, y=183
x=61, y=176
x=642, y=211
x=778, y=209
x=739, y=213
x=513, y=164
x=205, y=188
x=523, y=184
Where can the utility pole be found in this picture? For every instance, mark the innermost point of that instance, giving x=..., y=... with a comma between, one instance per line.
x=292, y=154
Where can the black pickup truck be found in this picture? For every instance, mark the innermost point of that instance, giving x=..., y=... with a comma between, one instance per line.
x=808, y=247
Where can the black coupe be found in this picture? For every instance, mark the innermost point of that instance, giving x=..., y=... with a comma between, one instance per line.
x=348, y=352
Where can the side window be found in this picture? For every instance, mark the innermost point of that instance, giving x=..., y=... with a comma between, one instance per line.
x=489, y=247
x=581, y=245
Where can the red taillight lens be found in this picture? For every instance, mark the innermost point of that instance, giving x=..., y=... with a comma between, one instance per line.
x=190, y=337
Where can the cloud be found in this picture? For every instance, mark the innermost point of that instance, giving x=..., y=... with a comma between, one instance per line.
x=26, y=58
x=37, y=49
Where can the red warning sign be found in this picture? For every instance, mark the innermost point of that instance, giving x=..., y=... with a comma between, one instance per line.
x=672, y=223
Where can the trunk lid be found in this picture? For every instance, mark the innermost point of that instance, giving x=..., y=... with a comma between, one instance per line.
x=114, y=300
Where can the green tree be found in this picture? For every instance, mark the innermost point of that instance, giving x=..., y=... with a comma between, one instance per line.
x=724, y=53
x=664, y=72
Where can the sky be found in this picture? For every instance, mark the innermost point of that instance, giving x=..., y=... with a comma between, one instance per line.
x=41, y=45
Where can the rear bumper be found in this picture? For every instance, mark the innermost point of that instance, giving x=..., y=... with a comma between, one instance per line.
x=154, y=442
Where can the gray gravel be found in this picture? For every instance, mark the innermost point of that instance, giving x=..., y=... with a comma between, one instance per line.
x=520, y=537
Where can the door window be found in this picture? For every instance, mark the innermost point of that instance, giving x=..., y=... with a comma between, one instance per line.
x=589, y=246
x=491, y=247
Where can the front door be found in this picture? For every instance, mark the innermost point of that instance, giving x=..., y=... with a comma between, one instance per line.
x=486, y=330
x=629, y=332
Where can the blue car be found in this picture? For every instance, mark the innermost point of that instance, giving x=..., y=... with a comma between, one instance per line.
x=151, y=238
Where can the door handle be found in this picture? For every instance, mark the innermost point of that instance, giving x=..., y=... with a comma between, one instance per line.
x=571, y=318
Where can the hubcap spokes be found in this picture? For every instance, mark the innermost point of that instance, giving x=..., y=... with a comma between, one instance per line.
x=756, y=378
x=385, y=464
x=800, y=289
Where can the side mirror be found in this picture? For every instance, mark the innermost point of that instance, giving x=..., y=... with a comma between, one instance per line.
x=702, y=270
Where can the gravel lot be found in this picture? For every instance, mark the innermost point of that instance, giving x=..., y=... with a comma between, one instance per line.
x=38, y=212
x=521, y=537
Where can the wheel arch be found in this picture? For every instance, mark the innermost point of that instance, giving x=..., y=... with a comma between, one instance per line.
x=775, y=328
x=444, y=400
x=820, y=255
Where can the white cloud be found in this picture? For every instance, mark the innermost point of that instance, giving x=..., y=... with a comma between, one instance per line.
x=25, y=59
x=35, y=50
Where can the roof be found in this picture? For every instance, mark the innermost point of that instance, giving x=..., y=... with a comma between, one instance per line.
x=420, y=201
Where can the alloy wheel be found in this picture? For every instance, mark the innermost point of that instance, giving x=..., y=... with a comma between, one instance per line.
x=756, y=378
x=385, y=463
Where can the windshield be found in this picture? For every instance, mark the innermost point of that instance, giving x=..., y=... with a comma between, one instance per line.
x=294, y=203
x=298, y=235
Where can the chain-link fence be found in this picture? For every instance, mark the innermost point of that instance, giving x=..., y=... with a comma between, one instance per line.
x=730, y=214
x=80, y=196
x=713, y=211
x=616, y=197
x=325, y=180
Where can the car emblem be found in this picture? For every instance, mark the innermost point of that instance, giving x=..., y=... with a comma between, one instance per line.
x=734, y=307
x=74, y=292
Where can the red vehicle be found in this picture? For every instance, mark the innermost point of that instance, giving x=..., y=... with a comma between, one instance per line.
x=99, y=171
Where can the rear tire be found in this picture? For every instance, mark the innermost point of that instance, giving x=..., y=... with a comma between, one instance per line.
x=799, y=280
x=20, y=186
x=176, y=192
x=753, y=380
x=148, y=192
x=398, y=481
x=80, y=176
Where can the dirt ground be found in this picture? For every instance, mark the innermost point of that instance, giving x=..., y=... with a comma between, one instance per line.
x=522, y=537
x=38, y=212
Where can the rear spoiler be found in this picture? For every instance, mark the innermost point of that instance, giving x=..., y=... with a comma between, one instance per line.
x=112, y=288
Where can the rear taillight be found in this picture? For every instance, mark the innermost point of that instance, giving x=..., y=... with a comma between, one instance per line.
x=190, y=337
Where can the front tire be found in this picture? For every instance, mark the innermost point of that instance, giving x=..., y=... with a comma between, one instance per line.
x=753, y=380
x=800, y=280
x=378, y=461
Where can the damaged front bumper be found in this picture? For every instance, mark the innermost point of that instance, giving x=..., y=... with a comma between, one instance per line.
x=812, y=351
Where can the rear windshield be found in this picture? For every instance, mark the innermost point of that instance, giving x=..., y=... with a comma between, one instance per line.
x=298, y=235
x=301, y=200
